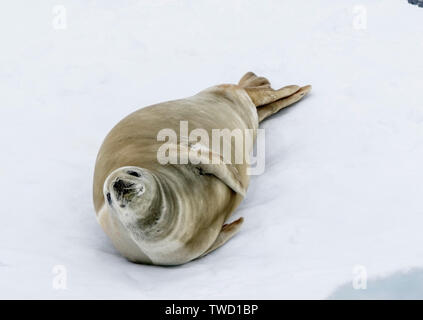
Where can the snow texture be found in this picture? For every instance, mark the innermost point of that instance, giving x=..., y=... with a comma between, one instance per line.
x=343, y=180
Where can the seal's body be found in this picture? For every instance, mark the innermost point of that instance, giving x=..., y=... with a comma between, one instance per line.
x=170, y=214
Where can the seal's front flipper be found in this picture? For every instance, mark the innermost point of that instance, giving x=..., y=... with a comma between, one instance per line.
x=227, y=232
x=207, y=162
x=226, y=173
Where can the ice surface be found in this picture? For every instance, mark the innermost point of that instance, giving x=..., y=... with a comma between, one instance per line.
x=406, y=284
x=343, y=181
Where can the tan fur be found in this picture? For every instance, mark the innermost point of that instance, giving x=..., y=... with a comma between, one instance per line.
x=190, y=208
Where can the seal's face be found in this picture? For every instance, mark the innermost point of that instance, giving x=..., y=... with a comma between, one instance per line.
x=129, y=192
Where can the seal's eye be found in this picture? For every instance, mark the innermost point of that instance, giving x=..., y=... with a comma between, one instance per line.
x=109, y=198
x=133, y=173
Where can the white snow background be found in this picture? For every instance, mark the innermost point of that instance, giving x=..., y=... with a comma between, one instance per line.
x=344, y=177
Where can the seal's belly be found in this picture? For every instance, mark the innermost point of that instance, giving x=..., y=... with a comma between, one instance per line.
x=202, y=202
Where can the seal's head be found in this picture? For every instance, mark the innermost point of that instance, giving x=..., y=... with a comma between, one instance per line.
x=132, y=194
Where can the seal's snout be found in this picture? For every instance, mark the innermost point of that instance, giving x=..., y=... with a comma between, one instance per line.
x=123, y=187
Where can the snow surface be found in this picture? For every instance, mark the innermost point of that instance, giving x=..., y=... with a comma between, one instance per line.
x=343, y=181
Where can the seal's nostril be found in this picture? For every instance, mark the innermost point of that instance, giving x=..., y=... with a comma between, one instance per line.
x=119, y=185
x=122, y=187
x=133, y=173
x=109, y=198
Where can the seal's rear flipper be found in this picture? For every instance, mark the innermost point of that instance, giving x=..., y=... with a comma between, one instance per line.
x=227, y=232
x=260, y=91
x=267, y=100
x=272, y=108
x=251, y=80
